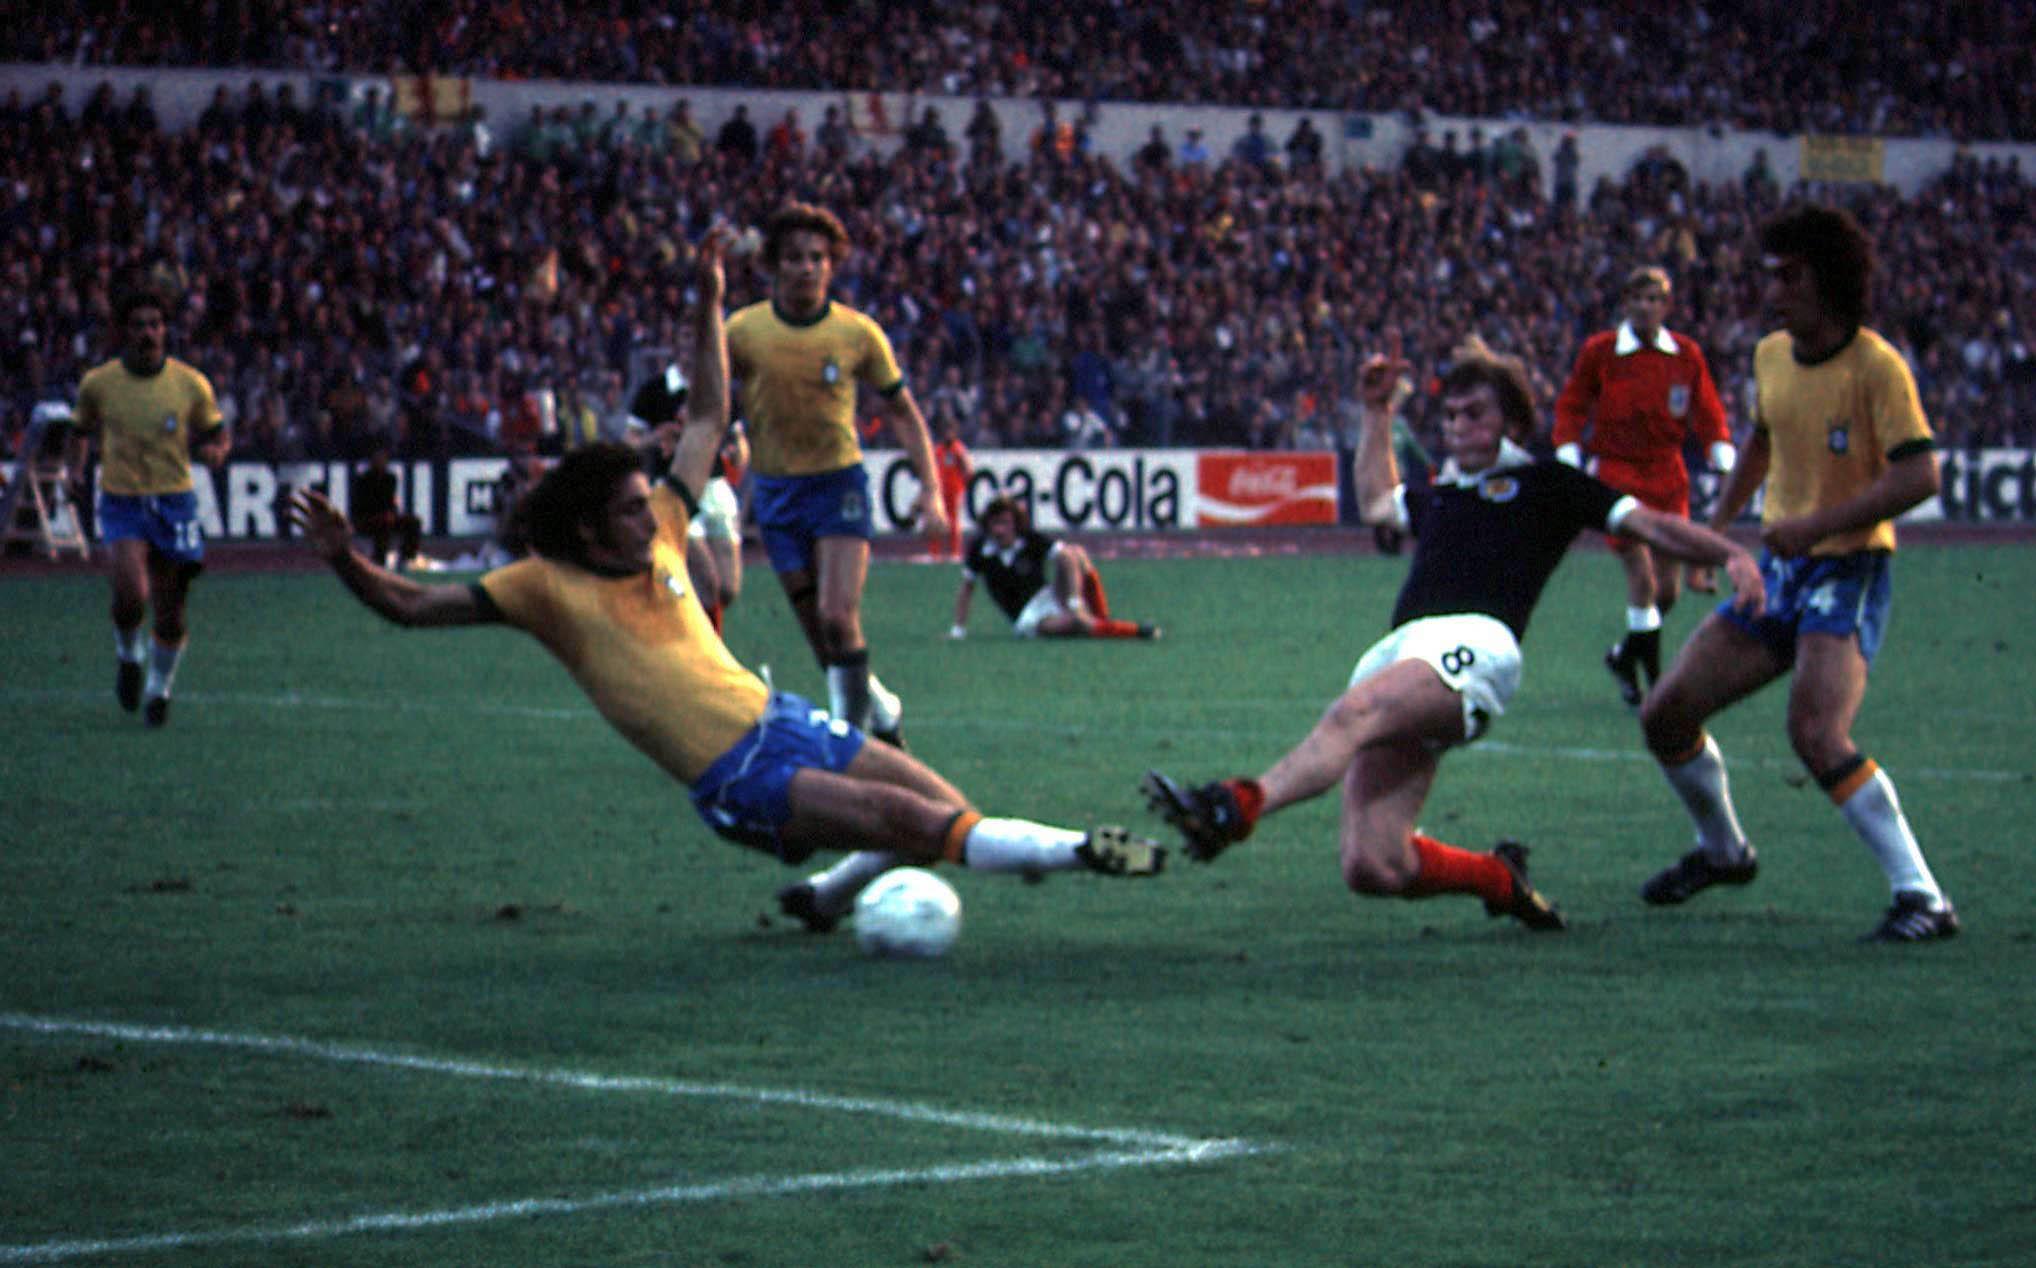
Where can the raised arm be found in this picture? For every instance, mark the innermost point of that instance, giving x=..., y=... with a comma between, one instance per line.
x=397, y=598
x=707, y=400
x=1381, y=386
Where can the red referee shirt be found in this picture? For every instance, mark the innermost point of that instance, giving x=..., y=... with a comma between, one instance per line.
x=1637, y=400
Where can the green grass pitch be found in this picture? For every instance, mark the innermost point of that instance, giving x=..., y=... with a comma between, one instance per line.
x=388, y=951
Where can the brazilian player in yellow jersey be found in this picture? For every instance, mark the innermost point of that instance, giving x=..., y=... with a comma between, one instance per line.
x=150, y=414
x=607, y=593
x=800, y=356
x=1841, y=448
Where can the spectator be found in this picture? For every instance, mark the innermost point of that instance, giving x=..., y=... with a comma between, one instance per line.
x=1254, y=147
x=737, y=139
x=1304, y=147
x=376, y=505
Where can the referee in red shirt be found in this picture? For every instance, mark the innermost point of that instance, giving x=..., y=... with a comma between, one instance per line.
x=1636, y=394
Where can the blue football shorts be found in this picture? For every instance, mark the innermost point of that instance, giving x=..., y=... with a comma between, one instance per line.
x=794, y=512
x=746, y=794
x=1821, y=594
x=168, y=522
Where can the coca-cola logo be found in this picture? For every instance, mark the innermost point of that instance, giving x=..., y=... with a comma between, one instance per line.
x=1261, y=483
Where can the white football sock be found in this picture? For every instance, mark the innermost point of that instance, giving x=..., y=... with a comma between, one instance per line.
x=886, y=710
x=1020, y=845
x=131, y=646
x=1875, y=813
x=836, y=887
x=162, y=669
x=1707, y=795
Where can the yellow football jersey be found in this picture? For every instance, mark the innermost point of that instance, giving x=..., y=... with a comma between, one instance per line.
x=798, y=384
x=640, y=646
x=1833, y=427
x=145, y=425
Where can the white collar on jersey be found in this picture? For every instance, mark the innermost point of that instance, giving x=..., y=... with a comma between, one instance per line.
x=1628, y=341
x=1510, y=456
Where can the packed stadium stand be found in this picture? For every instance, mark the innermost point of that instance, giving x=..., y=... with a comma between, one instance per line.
x=347, y=271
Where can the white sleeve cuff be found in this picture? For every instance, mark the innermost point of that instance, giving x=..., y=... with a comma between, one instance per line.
x=1571, y=454
x=1620, y=510
x=1723, y=456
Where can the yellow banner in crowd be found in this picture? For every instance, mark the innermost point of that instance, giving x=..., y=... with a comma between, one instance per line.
x=1841, y=158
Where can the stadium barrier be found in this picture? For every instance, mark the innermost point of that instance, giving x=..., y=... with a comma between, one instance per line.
x=1090, y=490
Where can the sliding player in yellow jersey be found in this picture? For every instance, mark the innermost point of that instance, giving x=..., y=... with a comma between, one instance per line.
x=799, y=356
x=606, y=591
x=1843, y=447
x=150, y=413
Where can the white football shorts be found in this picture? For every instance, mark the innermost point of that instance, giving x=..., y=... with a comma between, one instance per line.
x=1475, y=655
x=1037, y=609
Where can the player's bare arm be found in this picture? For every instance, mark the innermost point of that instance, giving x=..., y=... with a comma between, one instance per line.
x=962, y=600
x=1678, y=538
x=397, y=598
x=212, y=444
x=1382, y=384
x=909, y=426
x=1906, y=482
x=707, y=400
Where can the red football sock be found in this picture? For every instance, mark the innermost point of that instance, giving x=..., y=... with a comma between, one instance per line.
x=1092, y=594
x=714, y=611
x=1445, y=869
x=1250, y=798
x=1115, y=629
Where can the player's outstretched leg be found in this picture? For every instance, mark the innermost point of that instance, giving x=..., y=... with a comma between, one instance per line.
x=1211, y=818
x=1113, y=851
x=1526, y=904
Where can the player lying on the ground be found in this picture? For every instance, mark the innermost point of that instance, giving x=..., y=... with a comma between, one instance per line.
x=1049, y=588
x=1487, y=534
x=606, y=592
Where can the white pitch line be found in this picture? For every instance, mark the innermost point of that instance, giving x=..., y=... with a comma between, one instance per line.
x=1134, y=1148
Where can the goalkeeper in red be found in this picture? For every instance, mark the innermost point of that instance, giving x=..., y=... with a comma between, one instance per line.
x=1635, y=395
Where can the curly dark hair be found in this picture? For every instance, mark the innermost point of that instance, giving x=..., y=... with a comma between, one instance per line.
x=1834, y=247
x=572, y=494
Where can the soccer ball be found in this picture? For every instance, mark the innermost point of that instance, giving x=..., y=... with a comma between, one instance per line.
x=907, y=913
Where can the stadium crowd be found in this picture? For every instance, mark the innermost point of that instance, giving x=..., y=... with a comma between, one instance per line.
x=1916, y=68
x=456, y=289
